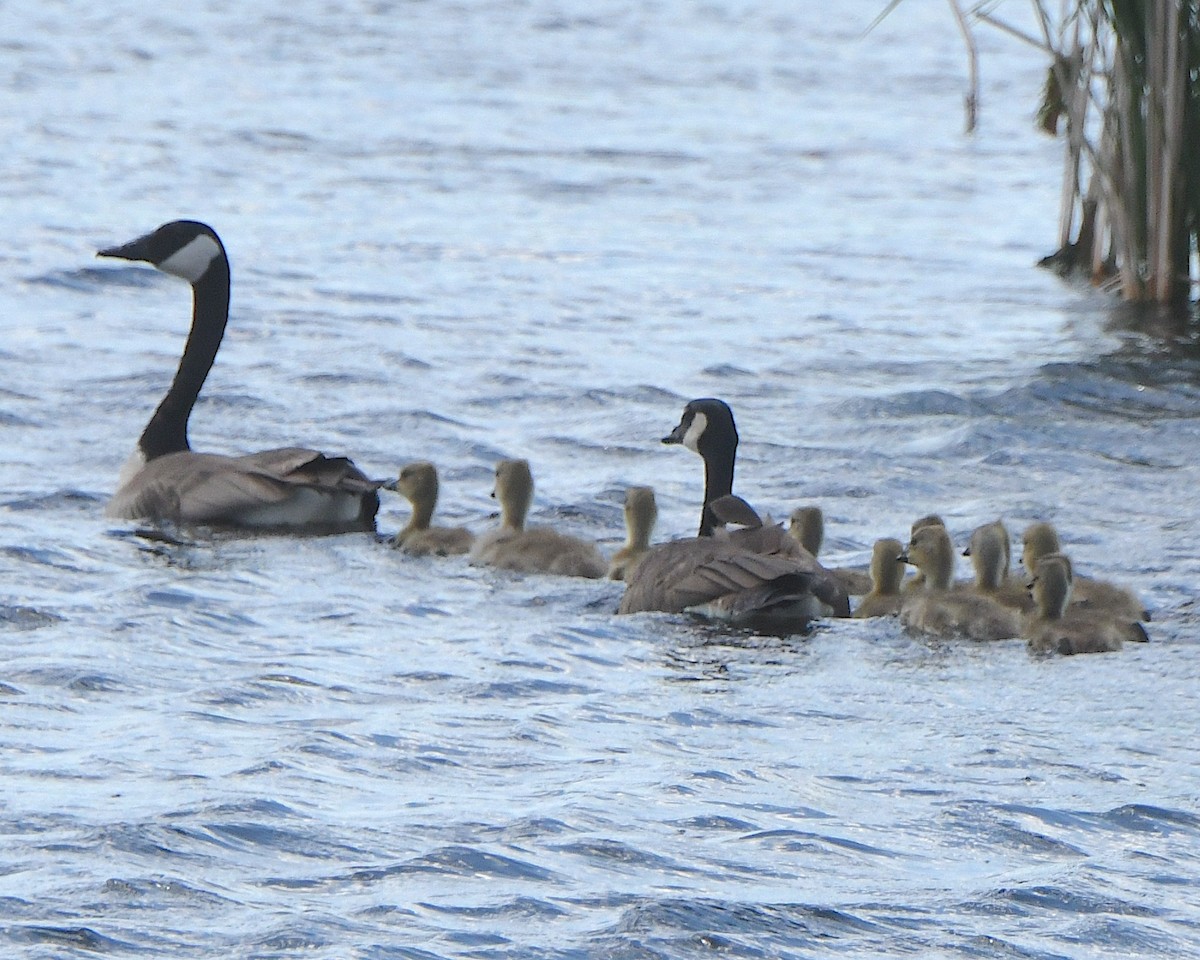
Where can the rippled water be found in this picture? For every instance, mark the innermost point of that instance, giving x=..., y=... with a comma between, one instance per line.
x=466, y=231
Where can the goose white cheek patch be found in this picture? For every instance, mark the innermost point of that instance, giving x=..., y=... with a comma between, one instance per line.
x=192, y=260
x=695, y=430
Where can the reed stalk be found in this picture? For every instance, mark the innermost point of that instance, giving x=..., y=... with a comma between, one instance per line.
x=1123, y=87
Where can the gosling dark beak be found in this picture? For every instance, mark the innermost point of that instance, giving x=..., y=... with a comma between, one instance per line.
x=393, y=485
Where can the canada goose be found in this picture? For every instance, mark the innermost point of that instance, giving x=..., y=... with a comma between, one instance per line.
x=757, y=576
x=1040, y=539
x=513, y=546
x=990, y=551
x=418, y=482
x=641, y=511
x=807, y=525
x=291, y=488
x=887, y=571
x=1057, y=626
x=944, y=609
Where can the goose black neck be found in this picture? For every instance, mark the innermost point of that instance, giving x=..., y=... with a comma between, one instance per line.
x=167, y=430
x=718, y=482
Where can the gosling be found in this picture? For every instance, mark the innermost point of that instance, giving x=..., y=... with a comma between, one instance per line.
x=916, y=583
x=641, y=513
x=942, y=609
x=513, y=546
x=887, y=572
x=1041, y=539
x=418, y=482
x=990, y=550
x=807, y=526
x=1057, y=626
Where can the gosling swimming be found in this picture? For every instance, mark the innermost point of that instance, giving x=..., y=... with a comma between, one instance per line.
x=990, y=550
x=807, y=525
x=513, y=546
x=418, y=482
x=942, y=609
x=1041, y=539
x=1057, y=626
x=887, y=573
x=641, y=512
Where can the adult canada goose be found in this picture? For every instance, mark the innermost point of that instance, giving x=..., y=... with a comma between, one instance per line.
x=943, y=609
x=1057, y=626
x=758, y=576
x=290, y=488
x=887, y=571
x=807, y=525
x=990, y=551
x=1041, y=539
x=513, y=546
x=641, y=511
x=418, y=482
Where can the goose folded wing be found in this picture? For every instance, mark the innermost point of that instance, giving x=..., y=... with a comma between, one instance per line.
x=302, y=467
x=772, y=540
x=786, y=598
x=732, y=573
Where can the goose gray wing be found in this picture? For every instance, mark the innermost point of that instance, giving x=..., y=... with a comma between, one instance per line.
x=773, y=540
x=735, y=573
x=302, y=467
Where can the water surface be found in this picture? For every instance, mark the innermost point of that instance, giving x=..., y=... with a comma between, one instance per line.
x=467, y=231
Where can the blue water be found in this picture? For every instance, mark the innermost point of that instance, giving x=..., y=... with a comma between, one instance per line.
x=468, y=231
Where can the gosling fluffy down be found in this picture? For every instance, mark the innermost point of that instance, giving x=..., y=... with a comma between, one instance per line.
x=418, y=482
x=1041, y=539
x=887, y=572
x=990, y=550
x=807, y=525
x=641, y=513
x=942, y=609
x=513, y=546
x=1057, y=626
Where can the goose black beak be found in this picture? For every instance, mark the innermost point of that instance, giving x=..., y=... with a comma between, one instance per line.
x=676, y=435
x=138, y=249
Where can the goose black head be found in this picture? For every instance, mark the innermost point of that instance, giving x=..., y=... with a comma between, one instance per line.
x=706, y=427
x=182, y=248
